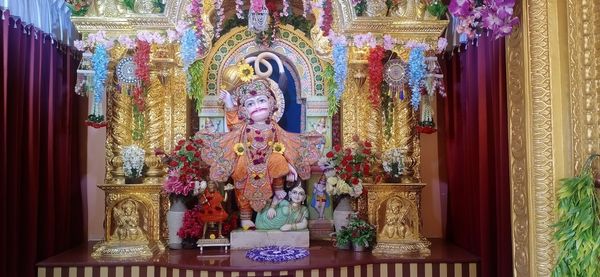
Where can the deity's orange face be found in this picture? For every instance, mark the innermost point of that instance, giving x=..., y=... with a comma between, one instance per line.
x=258, y=108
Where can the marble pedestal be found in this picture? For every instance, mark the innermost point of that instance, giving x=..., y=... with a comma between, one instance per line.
x=241, y=239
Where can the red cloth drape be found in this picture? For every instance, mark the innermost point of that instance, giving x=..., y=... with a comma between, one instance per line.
x=41, y=208
x=473, y=130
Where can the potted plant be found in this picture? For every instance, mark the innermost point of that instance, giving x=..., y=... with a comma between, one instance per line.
x=362, y=234
x=343, y=238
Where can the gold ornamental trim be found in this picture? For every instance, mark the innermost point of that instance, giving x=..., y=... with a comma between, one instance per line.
x=553, y=117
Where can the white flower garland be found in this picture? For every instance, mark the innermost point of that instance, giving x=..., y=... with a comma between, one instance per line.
x=133, y=160
x=392, y=162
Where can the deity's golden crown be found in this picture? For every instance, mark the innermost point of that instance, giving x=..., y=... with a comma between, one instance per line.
x=241, y=81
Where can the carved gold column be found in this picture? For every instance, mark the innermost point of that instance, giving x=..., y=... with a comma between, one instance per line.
x=360, y=118
x=553, y=96
x=119, y=131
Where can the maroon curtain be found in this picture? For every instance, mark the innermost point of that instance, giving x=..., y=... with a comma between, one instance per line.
x=41, y=208
x=473, y=132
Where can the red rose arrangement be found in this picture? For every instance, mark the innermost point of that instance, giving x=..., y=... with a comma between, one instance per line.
x=192, y=225
x=185, y=167
x=346, y=168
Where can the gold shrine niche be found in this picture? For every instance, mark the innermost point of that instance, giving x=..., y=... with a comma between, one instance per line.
x=167, y=117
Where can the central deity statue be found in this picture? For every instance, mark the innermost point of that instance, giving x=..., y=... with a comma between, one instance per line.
x=256, y=152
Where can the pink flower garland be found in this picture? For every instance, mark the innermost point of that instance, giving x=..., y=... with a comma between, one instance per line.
x=285, y=8
x=220, y=17
x=195, y=11
x=238, y=9
x=494, y=15
x=327, y=17
x=375, y=75
x=305, y=7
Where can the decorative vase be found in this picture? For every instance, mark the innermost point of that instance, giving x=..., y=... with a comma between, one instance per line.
x=342, y=212
x=134, y=180
x=358, y=247
x=345, y=246
x=392, y=179
x=175, y=221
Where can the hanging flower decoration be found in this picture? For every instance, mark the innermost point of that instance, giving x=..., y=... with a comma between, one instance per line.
x=197, y=90
x=238, y=9
x=195, y=11
x=126, y=42
x=285, y=8
x=364, y=40
x=220, y=17
x=188, y=51
x=375, y=75
x=305, y=8
x=327, y=17
x=493, y=15
x=416, y=73
x=340, y=62
x=100, y=61
x=332, y=103
x=142, y=72
x=388, y=42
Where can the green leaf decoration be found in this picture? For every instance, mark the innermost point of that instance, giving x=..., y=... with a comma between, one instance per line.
x=129, y=4
x=577, y=230
x=360, y=8
x=437, y=9
x=197, y=90
x=330, y=86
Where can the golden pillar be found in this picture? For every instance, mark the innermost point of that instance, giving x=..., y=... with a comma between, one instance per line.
x=554, y=117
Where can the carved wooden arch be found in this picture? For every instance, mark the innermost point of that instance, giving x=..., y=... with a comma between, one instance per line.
x=292, y=45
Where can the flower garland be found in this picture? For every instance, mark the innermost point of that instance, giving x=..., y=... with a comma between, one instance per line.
x=340, y=62
x=375, y=75
x=493, y=15
x=220, y=17
x=239, y=12
x=305, y=8
x=195, y=11
x=327, y=17
x=363, y=40
x=133, y=160
x=388, y=42
x=100, y=61
x=142, y=72
x=188, y=52
x=285, y=8
x=416, y=73
x=196, y=72
x=330, y=84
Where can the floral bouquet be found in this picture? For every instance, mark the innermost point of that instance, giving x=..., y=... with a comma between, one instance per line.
x=133, y=161
x=185, y=168
x=345, y=168
x=392, y=163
